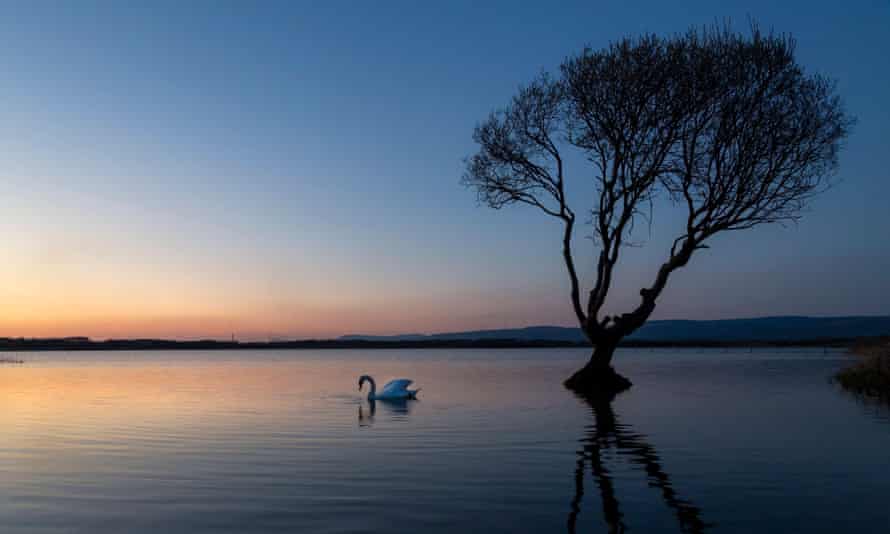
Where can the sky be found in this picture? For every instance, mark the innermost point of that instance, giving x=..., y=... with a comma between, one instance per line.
x=291, y=170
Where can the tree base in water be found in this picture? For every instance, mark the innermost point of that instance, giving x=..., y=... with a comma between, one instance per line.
x=597, y=382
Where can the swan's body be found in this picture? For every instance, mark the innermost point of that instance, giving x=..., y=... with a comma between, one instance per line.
x=394, y=389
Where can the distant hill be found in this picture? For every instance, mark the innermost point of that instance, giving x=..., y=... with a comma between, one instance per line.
x=786, y=328
x=529, y=333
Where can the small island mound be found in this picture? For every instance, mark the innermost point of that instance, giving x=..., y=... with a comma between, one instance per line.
x=11, y=360
x=870, y=377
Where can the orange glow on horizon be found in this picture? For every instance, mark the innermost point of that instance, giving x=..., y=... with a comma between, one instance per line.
x=152, y=316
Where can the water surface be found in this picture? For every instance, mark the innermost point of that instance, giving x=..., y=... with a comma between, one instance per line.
x=280, y=441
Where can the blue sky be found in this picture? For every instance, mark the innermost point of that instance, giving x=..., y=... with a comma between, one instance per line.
x=192, y=169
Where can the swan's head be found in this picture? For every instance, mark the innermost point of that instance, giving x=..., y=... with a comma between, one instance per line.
x=362, y=379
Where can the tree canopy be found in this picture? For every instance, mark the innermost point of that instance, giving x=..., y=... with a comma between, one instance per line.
x=727, y=126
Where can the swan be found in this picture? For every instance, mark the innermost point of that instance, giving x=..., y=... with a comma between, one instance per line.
x=394, y=389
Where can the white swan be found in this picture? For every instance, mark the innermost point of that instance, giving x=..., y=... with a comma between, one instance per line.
x=394, y=389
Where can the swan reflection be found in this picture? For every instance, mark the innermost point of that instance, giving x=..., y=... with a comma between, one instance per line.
x=394, y=409
x=607, y=433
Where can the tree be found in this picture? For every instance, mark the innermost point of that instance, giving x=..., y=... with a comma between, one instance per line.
x=728, y=127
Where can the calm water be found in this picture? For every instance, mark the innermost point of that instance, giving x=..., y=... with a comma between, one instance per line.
x=722, y=441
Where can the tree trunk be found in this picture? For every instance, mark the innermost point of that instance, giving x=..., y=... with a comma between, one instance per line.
x=597, y=378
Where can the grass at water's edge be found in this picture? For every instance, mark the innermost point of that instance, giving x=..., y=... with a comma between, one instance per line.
x=10, y=360
x=870, y=375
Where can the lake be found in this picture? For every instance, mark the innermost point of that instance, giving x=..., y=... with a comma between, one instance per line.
x=280, y=441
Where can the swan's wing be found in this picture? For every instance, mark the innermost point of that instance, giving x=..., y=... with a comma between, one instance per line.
x=399, y=385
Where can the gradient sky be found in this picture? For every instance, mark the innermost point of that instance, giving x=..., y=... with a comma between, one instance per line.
x=190, y=169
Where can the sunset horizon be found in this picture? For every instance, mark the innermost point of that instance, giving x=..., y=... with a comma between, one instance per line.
x=133, y=209
x=161, y=329
x=476, y=266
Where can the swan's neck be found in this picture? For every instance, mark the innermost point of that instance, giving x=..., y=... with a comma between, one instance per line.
x=373, y=391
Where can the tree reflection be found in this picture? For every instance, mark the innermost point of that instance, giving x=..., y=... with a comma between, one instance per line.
x=606, y=433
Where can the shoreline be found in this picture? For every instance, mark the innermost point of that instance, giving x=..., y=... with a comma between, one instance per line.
x=80, y=344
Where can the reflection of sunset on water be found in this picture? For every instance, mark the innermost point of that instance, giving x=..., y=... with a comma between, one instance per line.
x=266, y=440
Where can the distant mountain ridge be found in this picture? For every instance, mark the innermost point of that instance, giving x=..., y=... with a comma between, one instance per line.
x=780, y=328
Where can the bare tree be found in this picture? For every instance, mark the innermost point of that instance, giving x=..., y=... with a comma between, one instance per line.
x=726, y=126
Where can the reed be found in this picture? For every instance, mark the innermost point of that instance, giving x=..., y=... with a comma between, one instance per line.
x=870, y=376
